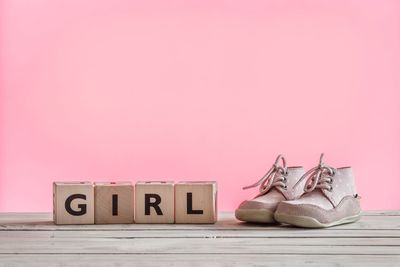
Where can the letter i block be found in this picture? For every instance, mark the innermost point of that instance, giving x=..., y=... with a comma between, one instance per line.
x=73, y=203
x=154, y=202
x=196, y=202
x=113, y=202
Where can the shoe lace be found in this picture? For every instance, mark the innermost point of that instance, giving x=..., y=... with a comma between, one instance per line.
x=276, y=176
x=320, y=176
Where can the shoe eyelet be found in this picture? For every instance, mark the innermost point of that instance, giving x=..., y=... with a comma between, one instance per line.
x=284, y=187
x=284, y=179
x=330, y=189
x=330, y=180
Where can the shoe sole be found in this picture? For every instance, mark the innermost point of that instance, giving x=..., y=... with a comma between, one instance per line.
x=255, y=215
x=309, y=222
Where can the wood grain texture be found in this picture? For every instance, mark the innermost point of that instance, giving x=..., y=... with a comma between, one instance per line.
x=79, y=197
x=199, y=260
x=113, y=202
x=165, y=208
x=31, y=239
x=196, y=202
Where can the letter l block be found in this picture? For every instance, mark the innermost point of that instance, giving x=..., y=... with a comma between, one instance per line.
x=196, y=202
x=73, y=203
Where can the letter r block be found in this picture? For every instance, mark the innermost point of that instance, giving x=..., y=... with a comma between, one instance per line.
x=73, y=203
x=154, y=202
x=196, y=202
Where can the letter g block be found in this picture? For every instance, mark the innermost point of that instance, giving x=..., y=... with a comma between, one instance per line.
x=73, y=202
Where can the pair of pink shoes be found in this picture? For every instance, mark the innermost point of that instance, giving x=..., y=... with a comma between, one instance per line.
x=321, y=197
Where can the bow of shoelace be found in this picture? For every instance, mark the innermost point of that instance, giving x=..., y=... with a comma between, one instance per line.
x=276, y=176
x=320, y=176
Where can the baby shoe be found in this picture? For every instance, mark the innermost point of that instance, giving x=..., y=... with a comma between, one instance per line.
x=275, y=186
x=330, y=199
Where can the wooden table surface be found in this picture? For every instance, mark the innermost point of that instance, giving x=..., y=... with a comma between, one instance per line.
x=31, y=239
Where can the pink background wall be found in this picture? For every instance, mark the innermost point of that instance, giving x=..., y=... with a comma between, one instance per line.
x=189, y=90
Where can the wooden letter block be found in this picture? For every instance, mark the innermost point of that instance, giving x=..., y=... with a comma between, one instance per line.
x=113, y=202
x=73, y=202
x=196, y=202
x=154, y=202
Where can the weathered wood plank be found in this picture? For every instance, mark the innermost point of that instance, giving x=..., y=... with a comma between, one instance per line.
x=198, y=260
x=4, y=216
x=185, y=246
x=207, y=233
x=43, y=221
x=21, y=237
x=381, y=212
x=32, y=239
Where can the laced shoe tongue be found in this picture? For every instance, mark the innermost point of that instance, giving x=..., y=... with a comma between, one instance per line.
x=275, y=177
x=318, y=177
x=291, y=192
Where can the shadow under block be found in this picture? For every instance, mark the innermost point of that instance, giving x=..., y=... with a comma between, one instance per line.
x=73, y=202
x=154, y=202
x=113, y=202
x=196, y=202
